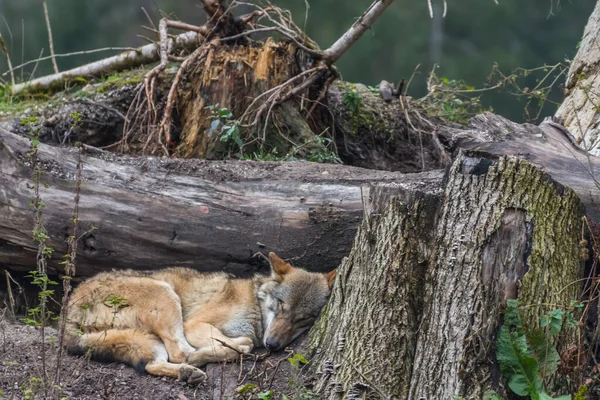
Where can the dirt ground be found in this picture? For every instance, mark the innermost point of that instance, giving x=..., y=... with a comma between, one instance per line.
x=270, y=377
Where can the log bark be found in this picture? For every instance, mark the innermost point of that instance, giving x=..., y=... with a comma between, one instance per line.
x=417, y=303
x=155, y=212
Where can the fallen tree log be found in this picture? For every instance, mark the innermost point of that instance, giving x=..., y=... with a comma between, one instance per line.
x=416, y=307
x=157, y=212
x=291, y=208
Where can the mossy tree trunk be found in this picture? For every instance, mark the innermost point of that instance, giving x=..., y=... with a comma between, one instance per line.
x=579, y=110
x=418, y=302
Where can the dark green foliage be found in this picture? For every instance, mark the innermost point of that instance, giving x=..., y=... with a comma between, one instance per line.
x=527, y=356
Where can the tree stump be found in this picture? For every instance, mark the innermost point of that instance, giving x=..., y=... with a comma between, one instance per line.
x=417, y=303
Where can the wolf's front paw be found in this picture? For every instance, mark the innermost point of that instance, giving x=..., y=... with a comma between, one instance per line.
x=244, y=344
x=191, y=375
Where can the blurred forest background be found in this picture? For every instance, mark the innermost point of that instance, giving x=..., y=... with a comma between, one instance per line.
x=474, y=36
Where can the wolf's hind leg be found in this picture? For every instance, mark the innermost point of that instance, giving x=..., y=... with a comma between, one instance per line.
x=164, y=318
x=207, y=339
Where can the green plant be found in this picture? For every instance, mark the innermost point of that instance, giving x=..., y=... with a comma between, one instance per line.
x=222, y=121
x=30, y=388
x=267, y=395
x=314, y=150
x=451, y=99
x=352, y=99
x=581, y=393
x=527, y=356
x=297, y=360
x=40, y=315
x=37, y=316
x=491, y=395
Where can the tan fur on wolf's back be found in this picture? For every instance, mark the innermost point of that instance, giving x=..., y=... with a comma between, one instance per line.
x=166, y=322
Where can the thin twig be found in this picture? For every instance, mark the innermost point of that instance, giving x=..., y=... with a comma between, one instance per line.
x=149, y=19
x=7, y=54
x=50, y=41
x=36, y=65
x=226, y=345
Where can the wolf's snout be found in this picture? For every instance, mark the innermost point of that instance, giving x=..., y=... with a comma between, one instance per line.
x=272, y=343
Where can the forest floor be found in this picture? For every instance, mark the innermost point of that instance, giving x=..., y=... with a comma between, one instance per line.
x=261, y=377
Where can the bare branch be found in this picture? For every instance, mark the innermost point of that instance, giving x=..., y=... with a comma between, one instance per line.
x=143, y=55
x=333, y=53
x=75, y=53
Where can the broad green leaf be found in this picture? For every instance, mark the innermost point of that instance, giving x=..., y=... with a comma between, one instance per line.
x=516, y=364
x=554, y=320
x=238, y=141
x=512, y=317
x=213, y=126
x=544, y=351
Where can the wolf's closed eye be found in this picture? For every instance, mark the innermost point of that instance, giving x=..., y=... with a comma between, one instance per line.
x=276, y=306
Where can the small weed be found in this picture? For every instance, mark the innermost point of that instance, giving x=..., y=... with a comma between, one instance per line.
x=581, y=393
x=30, y=388
x=314, y=150
x=268, y=395
x=297, y=360
x=222, y=122
x=352, y=99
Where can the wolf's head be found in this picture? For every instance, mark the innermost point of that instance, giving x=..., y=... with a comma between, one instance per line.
x=292, y=300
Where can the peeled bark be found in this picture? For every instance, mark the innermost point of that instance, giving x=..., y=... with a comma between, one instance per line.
x=417, y=303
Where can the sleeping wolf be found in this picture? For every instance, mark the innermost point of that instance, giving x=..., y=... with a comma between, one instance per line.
x=170, y=322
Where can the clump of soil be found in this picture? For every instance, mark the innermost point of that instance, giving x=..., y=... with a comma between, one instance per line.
x=21, y=372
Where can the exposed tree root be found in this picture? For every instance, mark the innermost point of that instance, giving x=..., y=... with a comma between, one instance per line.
x=149, y=120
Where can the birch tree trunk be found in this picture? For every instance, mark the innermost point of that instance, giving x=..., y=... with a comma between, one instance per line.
x=579, y=110
x=417, y=303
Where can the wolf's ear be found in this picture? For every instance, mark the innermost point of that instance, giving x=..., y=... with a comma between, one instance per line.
x=330, y=277
x=278, y=267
